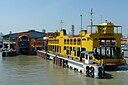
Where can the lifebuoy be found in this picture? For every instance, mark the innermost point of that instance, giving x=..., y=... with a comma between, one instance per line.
x=87, y=70
x=91, y=71
x=100, y=72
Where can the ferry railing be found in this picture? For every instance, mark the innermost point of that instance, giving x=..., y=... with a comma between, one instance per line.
x=93, y=28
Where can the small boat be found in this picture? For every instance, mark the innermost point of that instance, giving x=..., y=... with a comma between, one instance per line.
x=9, y=53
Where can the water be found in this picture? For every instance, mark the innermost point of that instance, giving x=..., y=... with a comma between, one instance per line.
x=33, y=70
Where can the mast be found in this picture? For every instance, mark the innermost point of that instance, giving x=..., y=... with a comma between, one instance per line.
x=72, y=29
x=61, y=22
x=91, y=21
x=81, y=22
x=81, y=38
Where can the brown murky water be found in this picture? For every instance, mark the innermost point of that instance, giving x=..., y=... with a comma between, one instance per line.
x=33, y=70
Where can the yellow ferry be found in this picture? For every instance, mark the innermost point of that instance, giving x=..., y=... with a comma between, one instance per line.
x=103, y=41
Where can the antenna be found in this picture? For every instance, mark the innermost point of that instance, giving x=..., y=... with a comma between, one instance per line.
x=72, y=29
x=81, y=38
x=91, y=21
x=61, y=22
x=81, y=21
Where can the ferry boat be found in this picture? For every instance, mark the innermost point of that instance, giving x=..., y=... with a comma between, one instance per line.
x=90, y=52
x=25, y=45
x=104, y=41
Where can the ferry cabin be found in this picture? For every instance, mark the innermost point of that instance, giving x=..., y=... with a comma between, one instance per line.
x=104, y=41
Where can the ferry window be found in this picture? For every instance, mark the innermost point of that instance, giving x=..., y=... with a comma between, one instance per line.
x=70, y=48
x=67, y=41
x=71, y=41
x=78, y=41
x=64, y=41
x=84, y=39
x=78, y=52
x=83, y=49
x=74, y=49
x=64, y=47
x=74, y=41
x=57, y=48
x=60, y=49
x=86, y=56
x=108, y=42
x=58, y=41
x=82, y=54
x=113, y=42
x=67, y=50
x=75, y=53
x=54, y=48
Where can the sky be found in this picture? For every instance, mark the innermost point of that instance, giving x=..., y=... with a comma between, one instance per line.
x=24, y=15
